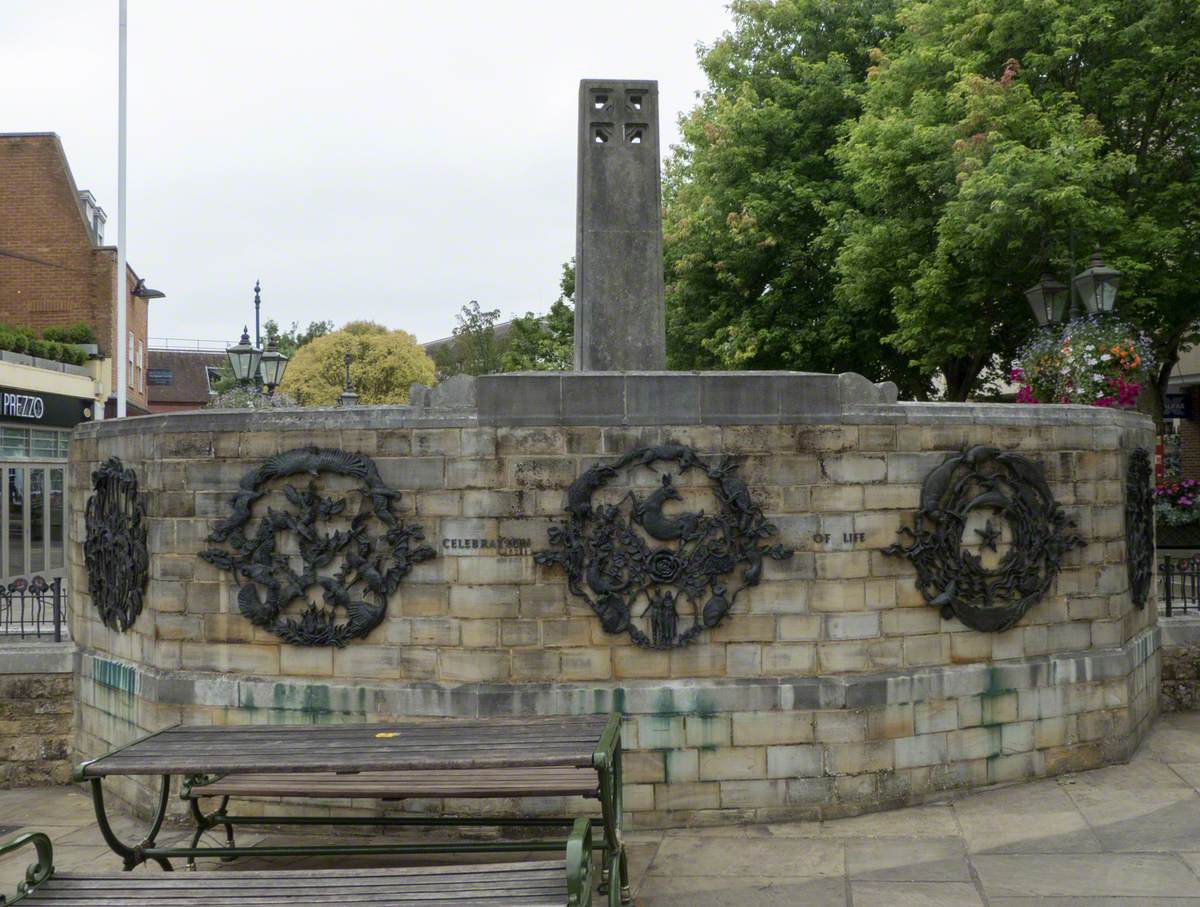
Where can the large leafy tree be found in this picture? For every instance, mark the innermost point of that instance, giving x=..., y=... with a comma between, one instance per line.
x=383, y=364
x=545, y=342
x=748, y=192
x=999, y=139
x=473, y=348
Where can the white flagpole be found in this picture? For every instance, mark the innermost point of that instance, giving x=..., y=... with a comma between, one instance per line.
x=122, y=288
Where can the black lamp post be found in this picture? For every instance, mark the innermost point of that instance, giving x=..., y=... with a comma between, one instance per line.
x=1048, y=299
x=348, y=396
x=1097, y=285
x=250, y=363
x=244, y=359
x=257, y=306
x=1096, y=288
x=272, y=367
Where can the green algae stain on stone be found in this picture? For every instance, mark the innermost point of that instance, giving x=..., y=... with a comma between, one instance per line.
x=707, y=732
x=618, y=700
x=115, y=676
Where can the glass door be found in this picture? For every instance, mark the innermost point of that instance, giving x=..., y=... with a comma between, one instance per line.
x=33, y=521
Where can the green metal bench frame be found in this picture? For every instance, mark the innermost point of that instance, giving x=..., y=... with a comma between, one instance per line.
x=578, y=867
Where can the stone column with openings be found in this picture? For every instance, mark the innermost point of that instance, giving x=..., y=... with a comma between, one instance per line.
x=620, y=315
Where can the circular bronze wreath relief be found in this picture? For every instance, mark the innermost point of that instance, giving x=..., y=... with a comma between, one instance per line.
x=973, y=504
x=352, y=548
x=114, y=548
x=1139, y=526
x=638, y=558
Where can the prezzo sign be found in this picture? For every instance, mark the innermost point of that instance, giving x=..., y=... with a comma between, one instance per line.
x=45, y=409
x=22, y=406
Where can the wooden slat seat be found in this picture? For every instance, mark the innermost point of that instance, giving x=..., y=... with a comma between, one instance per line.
x=534, y=884
x=542, y=781
x=402, y=746
x=563, y=882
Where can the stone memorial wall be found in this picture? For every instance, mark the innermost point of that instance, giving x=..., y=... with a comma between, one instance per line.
x=730, y=559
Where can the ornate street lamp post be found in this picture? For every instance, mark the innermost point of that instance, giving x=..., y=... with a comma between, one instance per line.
x=1097, y=285
x=244, y=358
x=272, y=367
x=348, y=396
x=253, y=365
x=1096, y=288
x=1048, y=299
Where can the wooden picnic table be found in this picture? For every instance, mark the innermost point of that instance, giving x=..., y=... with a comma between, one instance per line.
x=499, y=757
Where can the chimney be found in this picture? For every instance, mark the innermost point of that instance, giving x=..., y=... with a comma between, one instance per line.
x=94, y=215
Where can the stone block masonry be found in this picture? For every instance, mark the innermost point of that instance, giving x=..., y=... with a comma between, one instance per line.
x=831, y=688
x=37, y=712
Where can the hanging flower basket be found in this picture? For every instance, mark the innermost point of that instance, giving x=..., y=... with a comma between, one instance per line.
x=1095, y=361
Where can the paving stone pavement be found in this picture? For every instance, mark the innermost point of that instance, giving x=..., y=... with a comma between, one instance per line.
x=1117, y=837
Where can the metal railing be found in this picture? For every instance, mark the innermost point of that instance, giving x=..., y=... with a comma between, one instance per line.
x=187, y=345
x=1179, y=585
x=32, y=609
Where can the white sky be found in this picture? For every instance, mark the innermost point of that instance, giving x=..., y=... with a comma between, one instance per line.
x=381, y=160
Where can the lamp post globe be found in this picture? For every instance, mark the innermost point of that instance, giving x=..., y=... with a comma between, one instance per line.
x=1048, y=299
x=244, y=358
x=1097, y=285
x=272, y=366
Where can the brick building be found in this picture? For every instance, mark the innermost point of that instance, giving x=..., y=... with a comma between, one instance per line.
x=182, y=379
x=54, y=267
x=55, y=271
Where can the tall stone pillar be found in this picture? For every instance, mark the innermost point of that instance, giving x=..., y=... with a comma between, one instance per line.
x=620, y=316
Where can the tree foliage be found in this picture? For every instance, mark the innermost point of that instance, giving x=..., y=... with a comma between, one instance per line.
x=870, y=185
x=545, y=342
x=383, y=364
x=996, y=140
x=473, y=348
x=750, y=268
x=287, y=342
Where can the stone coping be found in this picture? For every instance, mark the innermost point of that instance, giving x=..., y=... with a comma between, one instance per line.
x=627, y=398
x=1181, y=630
x=634, y=697
x=25, y=657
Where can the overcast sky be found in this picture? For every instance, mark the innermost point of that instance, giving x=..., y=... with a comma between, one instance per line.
x=381, y=160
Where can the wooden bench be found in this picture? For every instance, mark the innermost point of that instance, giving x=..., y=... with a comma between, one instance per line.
x=548, y=883
x=446, y=758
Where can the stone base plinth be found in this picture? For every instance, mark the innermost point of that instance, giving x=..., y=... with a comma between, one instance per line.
x=721, y=750
x=37, y=709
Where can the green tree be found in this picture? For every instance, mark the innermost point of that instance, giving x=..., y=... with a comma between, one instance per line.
x=545, y=342
x=995, y=140
x=382, y=366
x=473, y=348
x=748, y=195
x=293, y=338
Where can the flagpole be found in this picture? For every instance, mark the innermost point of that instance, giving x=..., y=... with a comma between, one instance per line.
x=122, y=288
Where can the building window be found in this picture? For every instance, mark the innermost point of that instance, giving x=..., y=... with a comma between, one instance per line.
x=129, y=347
x=33, y=520
x=159, y=377
x=141, y=383
x=33, y=508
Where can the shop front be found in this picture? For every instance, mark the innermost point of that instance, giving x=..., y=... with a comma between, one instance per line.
x=35, y=428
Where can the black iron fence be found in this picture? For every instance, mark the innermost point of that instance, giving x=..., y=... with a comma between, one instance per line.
x=1179, y=585
x=32, y=609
